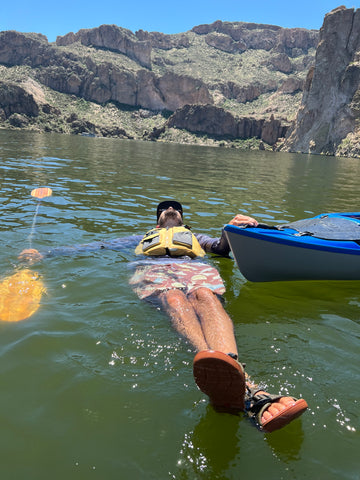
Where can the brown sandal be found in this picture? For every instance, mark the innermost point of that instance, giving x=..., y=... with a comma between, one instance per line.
x=271, y=412
x=222, y=378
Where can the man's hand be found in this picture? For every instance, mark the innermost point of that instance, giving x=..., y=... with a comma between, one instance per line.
x=240, y=220
x=30, y=255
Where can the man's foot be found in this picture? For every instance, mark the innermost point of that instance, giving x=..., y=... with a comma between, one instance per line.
x=271, y=412
x=222, y=378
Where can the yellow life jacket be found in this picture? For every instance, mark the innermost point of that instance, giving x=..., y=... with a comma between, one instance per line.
x=172, y=241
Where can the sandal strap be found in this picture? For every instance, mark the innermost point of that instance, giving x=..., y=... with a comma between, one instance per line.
x=255, y=402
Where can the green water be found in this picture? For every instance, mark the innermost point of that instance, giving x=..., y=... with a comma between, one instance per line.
x=96, y=384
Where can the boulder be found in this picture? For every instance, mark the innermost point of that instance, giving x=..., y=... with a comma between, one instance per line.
x=281, y=63
x=19, y=121
x=291, y=85
x=224, y=43
x=15, y=99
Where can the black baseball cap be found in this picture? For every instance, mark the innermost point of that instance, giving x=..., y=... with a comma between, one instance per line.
x=166, y=204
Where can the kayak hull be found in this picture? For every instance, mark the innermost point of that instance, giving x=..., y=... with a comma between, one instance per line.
x=265, y=255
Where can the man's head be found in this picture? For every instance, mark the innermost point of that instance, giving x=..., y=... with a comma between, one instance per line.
x=169, y=214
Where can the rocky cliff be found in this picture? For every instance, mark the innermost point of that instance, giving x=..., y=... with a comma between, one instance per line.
x=330, y=107
x=209, y=119
x=251, y=74
x=239, y=36
x=96, y=80
x=112, y=37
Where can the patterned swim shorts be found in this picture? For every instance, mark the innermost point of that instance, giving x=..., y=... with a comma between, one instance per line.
x=151, y=280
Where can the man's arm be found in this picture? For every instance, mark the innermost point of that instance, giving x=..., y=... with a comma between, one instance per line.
x=220, y=246
x=32, y=255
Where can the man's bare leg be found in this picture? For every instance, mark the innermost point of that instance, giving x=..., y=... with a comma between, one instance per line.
x=221, y=378
x=184, y=318
x=216, y=374
x=216, y=324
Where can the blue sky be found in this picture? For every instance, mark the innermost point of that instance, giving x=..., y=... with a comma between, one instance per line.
x=58, y=18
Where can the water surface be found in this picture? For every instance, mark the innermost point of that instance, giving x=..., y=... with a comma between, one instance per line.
x=96, y=384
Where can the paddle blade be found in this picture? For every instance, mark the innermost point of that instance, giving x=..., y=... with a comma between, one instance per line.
x=20, y=295
x=41, y=192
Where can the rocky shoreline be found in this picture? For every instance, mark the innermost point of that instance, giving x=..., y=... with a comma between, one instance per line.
x=229, y=84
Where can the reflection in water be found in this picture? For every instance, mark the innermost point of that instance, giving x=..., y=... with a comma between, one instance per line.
x=286, y=444
x=209, y=450
x=218, y=441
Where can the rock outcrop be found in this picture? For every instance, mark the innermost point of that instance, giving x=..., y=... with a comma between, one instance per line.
x=211, y=120
x=24, y=49
x=162, y=40
x=240, y=36
x=96, y=81
x=330, y=104
x=113, y=38
x=243, y=94
x=16, y=99
x=170, y=91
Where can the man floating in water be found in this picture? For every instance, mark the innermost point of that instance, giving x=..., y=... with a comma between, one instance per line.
x=189, y=291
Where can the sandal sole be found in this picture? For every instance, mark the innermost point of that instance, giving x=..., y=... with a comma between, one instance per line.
x=221, y=378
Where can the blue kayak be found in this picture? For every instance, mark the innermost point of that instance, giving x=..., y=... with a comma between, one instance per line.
x=325, y=247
